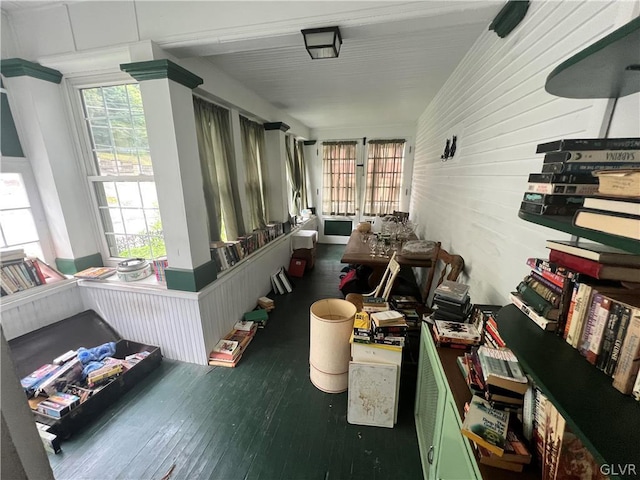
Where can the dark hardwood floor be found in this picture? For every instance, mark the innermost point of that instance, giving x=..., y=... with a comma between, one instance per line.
x=261, y=420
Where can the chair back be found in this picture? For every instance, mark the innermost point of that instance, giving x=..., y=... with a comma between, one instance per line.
x=452, y=268
x=386, y=282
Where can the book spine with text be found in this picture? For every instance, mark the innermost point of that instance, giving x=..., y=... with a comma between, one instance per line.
x=563, y=188
x=562, y=178
x=595, y=344
x=585, y=167
x=609, y=336
x=537, y=209
x=590, y=324
x=572, y=304
x=580, y=310
x=627, y=369
x=593, y=156
x=579, y=144
x=544, y=199
x=539, y=320
x=612, y=363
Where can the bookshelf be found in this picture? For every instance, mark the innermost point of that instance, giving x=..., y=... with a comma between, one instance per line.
x=565, y=224
x=606, y=421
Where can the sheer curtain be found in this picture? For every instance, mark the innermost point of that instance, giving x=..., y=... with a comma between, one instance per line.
x=339, y=178
x=384, y=176
x=298, y=157
x=253, y=146
x=213, y=130
x=297, y=176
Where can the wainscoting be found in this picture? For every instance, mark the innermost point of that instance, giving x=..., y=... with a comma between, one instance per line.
x=185, y=325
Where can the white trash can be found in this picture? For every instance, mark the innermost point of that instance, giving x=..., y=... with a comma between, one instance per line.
x=329, y=348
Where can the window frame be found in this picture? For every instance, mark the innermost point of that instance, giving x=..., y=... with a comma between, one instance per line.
x=358, y=184
x=365, y=177
x=87, y=162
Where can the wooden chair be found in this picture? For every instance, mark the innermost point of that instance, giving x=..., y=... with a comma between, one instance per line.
x=452, y=268
x=384, y=287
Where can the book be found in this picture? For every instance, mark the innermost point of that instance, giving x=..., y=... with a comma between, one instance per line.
x=390, y=317
x=227, y=349
x=453, y=332
x=11, y=254
x=580, y=311
x=593, y=156
x=609, y=334
x=542, y=322
x=586, y=167
x=615, y=224
x=628, y=364
x=628, y=206
x=558, y=274
x=455, y=291
x=535, y=301
x=500, y=368
x=563, y=188
x=95, y=273
x=258, y=315
x=597, y=252
x=595, y=269
x=31, y=382
x=579, y=144
x=487, y=458
x=594, y=328
x=562, y=178
x=612, y=361
x=218, y=362
x=621, y=182
x=550, y=199
x=485, y=425
x=245, y=326
x=559, y=210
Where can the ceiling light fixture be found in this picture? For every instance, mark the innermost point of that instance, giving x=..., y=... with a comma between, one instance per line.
x=322, y=42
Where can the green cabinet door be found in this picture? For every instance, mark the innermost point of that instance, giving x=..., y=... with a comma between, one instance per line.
x=455, y=459
x=429, y=407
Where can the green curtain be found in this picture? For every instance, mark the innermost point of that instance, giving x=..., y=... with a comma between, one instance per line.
x=253, y=148
x=213, y=130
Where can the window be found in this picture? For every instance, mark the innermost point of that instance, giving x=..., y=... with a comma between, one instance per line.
x=122, y=173
x=17, y=222
x=384, y=176
x=339, y=178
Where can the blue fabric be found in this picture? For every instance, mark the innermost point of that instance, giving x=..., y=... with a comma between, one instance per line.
x=95, y=354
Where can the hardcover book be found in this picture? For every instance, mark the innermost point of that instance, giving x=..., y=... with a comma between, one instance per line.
x=621, y=182
x=628, y=364
x=455, y=291
x=626, y=226
x=457, y=331
x=626, y=206
x=595, y=269
x=586, y=167
x=486, y=426
x=95, y=273
x=542, y=322
x=390, y=317
x=595, y=251
x=227, y=349
x=557, y=210
x=562, y=178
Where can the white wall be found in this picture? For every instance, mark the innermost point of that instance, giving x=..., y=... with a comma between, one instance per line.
x=496, y=104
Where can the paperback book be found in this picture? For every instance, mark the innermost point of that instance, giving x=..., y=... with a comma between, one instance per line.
x=486, y=426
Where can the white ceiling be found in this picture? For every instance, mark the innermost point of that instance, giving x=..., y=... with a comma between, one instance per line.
x=395, y=55
x=386, y=74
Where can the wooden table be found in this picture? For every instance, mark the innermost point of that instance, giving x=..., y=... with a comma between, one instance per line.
x=357, y=252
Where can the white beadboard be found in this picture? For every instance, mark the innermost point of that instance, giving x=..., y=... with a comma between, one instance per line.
x=171, y=322
x=496, y=105
x=224, y=302
x=31, y=311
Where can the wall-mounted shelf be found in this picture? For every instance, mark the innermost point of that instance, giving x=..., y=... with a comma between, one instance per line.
x=565, y=224
x=606, y=421
x=610, y=68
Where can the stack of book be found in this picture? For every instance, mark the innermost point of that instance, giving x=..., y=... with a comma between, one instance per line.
x=616, y=208
x=259, y=316
x=388, y=328
x=266, y=303
x=504, y=383
x=229, y=350
x=95, y=273
x=374, y=304
x=567, y=174
x=362, y=328
x=451, y=302
x=407, y=305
